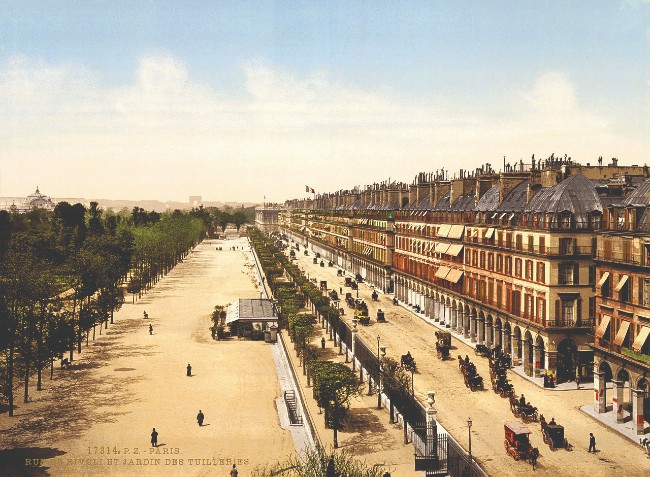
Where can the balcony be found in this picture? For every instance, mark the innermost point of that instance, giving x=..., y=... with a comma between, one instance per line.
x=640, y=260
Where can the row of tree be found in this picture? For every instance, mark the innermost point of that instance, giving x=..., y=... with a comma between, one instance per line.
x=63, y=273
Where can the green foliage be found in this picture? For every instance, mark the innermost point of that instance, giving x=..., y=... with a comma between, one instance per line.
x=313, y=464
x=334, y=387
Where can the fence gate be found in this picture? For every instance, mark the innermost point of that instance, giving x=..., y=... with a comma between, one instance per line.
x=430, y=450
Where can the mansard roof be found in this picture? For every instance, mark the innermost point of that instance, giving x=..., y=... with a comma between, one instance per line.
x=489, y=201
x=464, y=203
x=575, y=194
x=515, y=201
x=639, y=196
x=443, y=203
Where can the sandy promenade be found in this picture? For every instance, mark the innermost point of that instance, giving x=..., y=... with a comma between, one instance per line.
x=96, y=418
x=455, y=403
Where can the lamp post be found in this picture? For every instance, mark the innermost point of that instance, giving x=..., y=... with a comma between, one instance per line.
x=469, y=432
x=412, y=385
x=379, y=356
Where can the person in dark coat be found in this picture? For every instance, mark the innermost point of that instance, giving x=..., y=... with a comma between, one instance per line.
x=200, y=417
x=189, y=369
x=150, y=329
x=592, y=443
x=233, y=472
x=154, y=438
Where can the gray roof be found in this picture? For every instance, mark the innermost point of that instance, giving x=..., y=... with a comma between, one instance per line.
x=489, y=201
x=575, y=194
x=515, y=201
x=254, y=308
x=640, y=195
x=443, y=203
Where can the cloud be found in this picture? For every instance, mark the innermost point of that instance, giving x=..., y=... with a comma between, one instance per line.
x=164, y=135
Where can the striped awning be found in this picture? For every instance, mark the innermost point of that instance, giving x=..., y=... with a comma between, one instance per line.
x=442, y=272
x=489, y=233
x=442, y=247
x=602, y=280
x=640, y=339
x=454, y=249
x=600, y=331
x=621, y=283
x=454, y=275
x=444, y=229
x=456, y=231
x=622, y=332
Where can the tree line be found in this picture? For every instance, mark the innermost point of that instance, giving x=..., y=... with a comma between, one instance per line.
x=63, y=273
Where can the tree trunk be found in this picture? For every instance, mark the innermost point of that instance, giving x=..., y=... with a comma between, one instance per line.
x=26, y=396
x=39, y=382
x=392, y=412
x=10, y=378
x=51, y=368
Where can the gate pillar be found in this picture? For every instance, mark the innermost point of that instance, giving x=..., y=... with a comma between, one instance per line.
x=637, y=411
x=617, y=400
x=600, y=404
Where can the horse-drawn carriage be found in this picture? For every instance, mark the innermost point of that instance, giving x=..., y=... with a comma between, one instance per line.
x=443, y=344
x=348, y=282
x=380, y=316
x=306, y=253
x=323, y=285
x=472, y=379
x=553, y=434
x=292, y=254
x=358, y=277
x=315, y=261
x=361, y=312
x=408, y=362
x=334, y=295
x=501, y=385
x=354, y=285
x=322, y=263
x=349, y=300
x=523, y=410
x=517, y=443
x=374, y=296
x=482, y=350
x=339, y=273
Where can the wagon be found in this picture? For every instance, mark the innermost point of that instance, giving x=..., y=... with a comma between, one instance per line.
x=444, y=338
x=517, y=443
x=348, y=281
x=323, y=285
x=553, y=435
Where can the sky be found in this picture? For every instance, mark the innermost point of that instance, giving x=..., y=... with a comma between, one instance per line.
x=247, y=101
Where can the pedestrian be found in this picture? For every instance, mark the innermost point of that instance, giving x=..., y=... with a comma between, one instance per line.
x=150, y=329
x=189, y=369
x=330, y=470
x=322, y=342
x=592, y=443
x=233, y=471
x=340, y=290
x=154, y=438
x=144, y=314
x=200, y=417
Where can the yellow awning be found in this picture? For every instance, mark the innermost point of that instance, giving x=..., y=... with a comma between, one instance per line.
x=444, y=229
x=454, y=249
x=442, y=247
x=622, y=332
x=621, y=284
x=640, y=340
x=454, y=275
x=600, y=331
x=489, y=233
x=602, y=280
x=442, y=272
x=456, y=231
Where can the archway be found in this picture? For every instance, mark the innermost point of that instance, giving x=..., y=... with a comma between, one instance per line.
x=499, y=340
x=622, y=382
x=529, y=362
x=567, y=360
x=605, y=375
x=489, y=331
x=481, y=327
x=518, y=346
x=541, y=352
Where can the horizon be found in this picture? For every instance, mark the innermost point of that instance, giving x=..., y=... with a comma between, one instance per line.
x=161, y=100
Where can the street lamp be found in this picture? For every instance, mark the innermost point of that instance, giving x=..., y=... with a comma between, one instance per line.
x=379, y=356
x=412, y=386
x=469, y=432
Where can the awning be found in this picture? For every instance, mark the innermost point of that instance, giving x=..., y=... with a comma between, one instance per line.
x=489, y=233
x=456, y=231
x=600, y=331
x=442, y=247
x=454, y=249
x=511, y=216
x=494, y=216
x=602, y=280
x=502, y=216
x=640, y=340
x=622, y=332
x=442, y=272
x=232, y=314
x=444, y=229
x=621, y=283
x=454, y=275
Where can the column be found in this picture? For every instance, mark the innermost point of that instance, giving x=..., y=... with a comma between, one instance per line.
x=481, y=330
x=513, y=349
x=536, y=361
x=466, y=326
x=472, y=331
x=600, y=405
x=617, y=400
x=489, y=335
x=444, y=315
x=637, y=410
x=454, y=319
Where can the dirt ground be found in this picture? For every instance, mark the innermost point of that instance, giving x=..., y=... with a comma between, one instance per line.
x=455, y=403
x=97, y=417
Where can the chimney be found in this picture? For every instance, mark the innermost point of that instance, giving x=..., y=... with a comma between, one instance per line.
x=483, y=184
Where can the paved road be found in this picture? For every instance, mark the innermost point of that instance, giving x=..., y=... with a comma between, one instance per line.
x=455, y=403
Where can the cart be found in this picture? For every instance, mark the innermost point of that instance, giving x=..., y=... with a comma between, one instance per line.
x=517, y=443
x=553, y=435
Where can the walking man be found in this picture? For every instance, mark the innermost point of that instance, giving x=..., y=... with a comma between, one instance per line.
x=233, y=472
x=154, y=438
x=150, y=329
x=592, y=443
x=200, y=417
x=189, y=369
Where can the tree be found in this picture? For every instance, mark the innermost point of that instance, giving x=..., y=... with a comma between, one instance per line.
x=334, y=387
x=238, y=219
x=396, y=383
x=314, y=464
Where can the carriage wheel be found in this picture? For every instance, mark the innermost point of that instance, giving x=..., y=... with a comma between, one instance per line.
x=566, y=444
x=551, y=444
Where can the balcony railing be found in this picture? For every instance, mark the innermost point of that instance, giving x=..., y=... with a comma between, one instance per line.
x=620, y=257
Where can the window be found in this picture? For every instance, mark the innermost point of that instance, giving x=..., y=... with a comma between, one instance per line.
x=627, y=251
x=567, y=246
x=490, y=261
x=529, y=270
x=518, y=267
x=474, y=258
x=516, y=303
x=541, y=309
x=499, y=263
x=530, y=243
x=483, y=260
x=568, y=310
x=567, y=273
x=508, y=265
x=500, y=239
x=508, y=240
x=542, y=245
x=565, y=221
x=499, y=295
x=592, y=275
x=607, y=249
x=541, y=268
x=519, y=241
x=646, y=249
x=645, y=292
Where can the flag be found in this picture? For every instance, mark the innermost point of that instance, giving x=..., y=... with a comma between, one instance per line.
x=309, y=189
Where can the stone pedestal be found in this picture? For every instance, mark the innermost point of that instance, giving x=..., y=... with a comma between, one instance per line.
x=637, y=411
x=600, y=404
